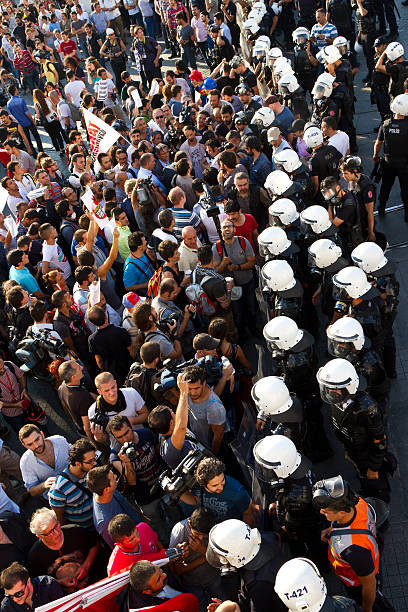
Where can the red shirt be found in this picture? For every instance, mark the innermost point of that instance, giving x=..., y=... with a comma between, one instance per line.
x=148, y=551
x=246, y=230
x=67, y=47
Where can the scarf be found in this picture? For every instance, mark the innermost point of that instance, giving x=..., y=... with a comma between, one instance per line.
x=103, y=405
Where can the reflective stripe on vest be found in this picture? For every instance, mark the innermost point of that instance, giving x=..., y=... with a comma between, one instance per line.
x=363, y=521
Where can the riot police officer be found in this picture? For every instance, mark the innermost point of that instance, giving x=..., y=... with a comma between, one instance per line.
x=279, y=185
x=293, y=96
x=324, y=160
x=279, y=411
x=356, y=297
x=315, y=224
x=250, y=106
x=381, y=273
x=344, y=212
x=394, y=134
x=345, y=339
x=254, y=557
x=365, y=191
x=339, y=12
x=358, y=424
x=365, y=17
x=283, y=213
x=288, y=160
x=380, y=81
x=304, y=60
x=282, y=292
x=301, y=577
x=325, y=261
x=287, y=480
x=294, y=358
x=274, y=243
x=323, y=104
x=391, y=62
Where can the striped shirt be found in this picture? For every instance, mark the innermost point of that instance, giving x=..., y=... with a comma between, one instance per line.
x=76, y=503
x=328, y=30
x=24, y=63
x=184, y=218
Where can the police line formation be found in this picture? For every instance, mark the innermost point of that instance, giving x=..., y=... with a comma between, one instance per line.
x=323, y=276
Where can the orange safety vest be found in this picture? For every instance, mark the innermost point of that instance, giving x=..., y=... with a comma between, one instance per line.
x=361, y=532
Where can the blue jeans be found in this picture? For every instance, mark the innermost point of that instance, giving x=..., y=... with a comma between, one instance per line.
x=188, y=56
x=149, y=25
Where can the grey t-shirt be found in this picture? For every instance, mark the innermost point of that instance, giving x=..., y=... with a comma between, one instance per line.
x=238, y=256
x=201, y=415
x=202, y=576
x=186, y=32
x=166, y=347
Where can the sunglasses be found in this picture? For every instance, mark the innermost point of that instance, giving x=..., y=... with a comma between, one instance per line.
x=18, y=594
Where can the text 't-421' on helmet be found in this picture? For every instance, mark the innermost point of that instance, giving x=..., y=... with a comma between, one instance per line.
x=313, y=137
x=394, y=51
x=300, y=586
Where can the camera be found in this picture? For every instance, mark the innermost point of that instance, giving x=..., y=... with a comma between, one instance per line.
x=208, y=202
x=143, y=190
x=186, y=116
x=165, y=323
x=168, y=379
x=129, y=449
x=100, y=418
x=176, y=482
x=172, y=137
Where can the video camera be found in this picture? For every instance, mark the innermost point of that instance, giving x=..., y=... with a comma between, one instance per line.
x=176, y=482
x=207, y=201
x=35, y=352
x=144, y=190
x=186, y=115
x=168, y=379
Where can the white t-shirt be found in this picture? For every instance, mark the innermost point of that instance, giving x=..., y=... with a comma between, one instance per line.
x=145, y=8
x=134, y=404
x=65, y=111
x=73, y=89
x=110, y=4
x=340, y=141
x=53, y=254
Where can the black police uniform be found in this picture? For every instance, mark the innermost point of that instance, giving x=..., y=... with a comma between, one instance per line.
x=291, y=424
x=324, y=162
x=341, y=16
x=388, y=287
x=367, y=27
x=307, y=9
x=359, y=426
x=394, y=134
x=298, y=367
x=332, y=233
x=294, y=193
x=251, y=108
x=305, y=72
x=379, y=91
x=369, y=364
x=346, y=207
x=344, y=74
x=323, y=277
x=248, y=78
x=286, y=303
x=325, y=107
x=339, y=603
x=345, y=103
x=365, y=192
x=296, y=102
x=398, y=72
x=302, y=176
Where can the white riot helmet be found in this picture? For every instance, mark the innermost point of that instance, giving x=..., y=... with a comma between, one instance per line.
x=282, y=333
x=278, y=182
x=369, y=257
x=264, y=117
x=273, y=55
x=264, y=40
x=259, y=6
x=288, y=83
x=256, y=15
x=301, y=576
x=338, y=380
x=343, y=335
x=288, y=159
x=321, y=90
x=300, y=35
x=394, y=51
x=316, y=217
x=353, y=281
x=273, y=240
x=342, y=44
x=251, y=27
x=283, y=212
x=399, y=105
x=278, y=275
x=259, y=50
x=275, y=457
x=276, y=8
x=232, y=543
x=358, y=47
x=282, y=66
x=271, y=396
x=313, y=137
x=328, y=55
x=324, y=252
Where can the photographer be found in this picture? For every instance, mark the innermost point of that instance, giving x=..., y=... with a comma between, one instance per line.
x=140, y=465
x=146, y=319
x=207, y=416
x=175, y=439
x=168, y=312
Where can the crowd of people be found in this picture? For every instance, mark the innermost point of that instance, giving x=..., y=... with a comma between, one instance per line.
x=195, y=295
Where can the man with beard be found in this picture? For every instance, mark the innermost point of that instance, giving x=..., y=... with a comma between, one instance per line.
x=43, y=460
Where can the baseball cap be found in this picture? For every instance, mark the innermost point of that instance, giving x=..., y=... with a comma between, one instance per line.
x=196, y=75
x=109, y=31
x=381, y=40
x=205, y=342
x=297, y=125
x=273, y=133
x=132, y=299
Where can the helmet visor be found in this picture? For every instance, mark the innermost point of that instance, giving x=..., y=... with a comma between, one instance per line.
x=328, y=492
x=305, y=226
x=333, y=396
x=319, y=91
x=339, y=348
x=267, y=474
x=328, y=194
x=275, y=221
x=214, y=558
x=340, y=294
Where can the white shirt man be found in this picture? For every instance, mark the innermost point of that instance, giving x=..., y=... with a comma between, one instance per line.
x=74, y=89
x=341, y=142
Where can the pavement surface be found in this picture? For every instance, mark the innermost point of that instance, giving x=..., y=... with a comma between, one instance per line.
x=395, y=560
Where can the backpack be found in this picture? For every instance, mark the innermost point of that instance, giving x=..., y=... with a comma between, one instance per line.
x=197, y=296
x=221, y=248
x=75, y=112
x=154, y=284
x=143, y=380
